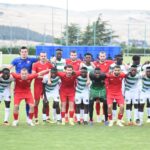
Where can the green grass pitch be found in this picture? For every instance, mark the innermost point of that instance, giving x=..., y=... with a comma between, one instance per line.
x=57, y=137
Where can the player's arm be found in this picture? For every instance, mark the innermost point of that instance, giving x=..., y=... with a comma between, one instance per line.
x=43, y=72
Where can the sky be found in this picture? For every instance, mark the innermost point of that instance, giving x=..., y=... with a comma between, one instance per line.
x=84, y=5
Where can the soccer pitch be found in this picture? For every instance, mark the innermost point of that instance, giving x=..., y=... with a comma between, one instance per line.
x=78, y=137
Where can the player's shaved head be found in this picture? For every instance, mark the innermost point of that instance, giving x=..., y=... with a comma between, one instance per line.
x=102, y=56
x=24, y=73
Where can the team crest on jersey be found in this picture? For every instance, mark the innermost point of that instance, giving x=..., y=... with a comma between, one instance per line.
x=28, y=61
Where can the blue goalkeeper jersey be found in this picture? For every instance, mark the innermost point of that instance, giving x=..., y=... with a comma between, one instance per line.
x=24, y=63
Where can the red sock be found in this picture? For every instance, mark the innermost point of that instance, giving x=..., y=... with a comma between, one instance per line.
x=47, y=111
x=15, y=116
x=31, y=115
x=71, y=113
x=97, y=107
x=67, y=107
x=36, y=111
x=110, y=116
x=63, y=114
x=120, y=116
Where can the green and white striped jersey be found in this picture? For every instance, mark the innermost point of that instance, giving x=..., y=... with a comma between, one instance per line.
x=89, y=68
x=81, y=84
x=60, y=64
x=145, y=84
x=132, y=83
x=5, y=84
x=55, y=83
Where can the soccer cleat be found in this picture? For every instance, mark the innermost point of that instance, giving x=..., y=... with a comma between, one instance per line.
x=119, y=123
x=148, y=120
x=30, y=123
x=91, y=123
x=78, y=122
x=106, y=123
x=6, y=123
x=137, y=121
x=36, y=122
x=50, y=121
x=140, y=123
x=111, y=123
x=85, y=123
x=15, y=123
x=71, y=122
x=63, y=121
x=99, y=119
x=58, y=122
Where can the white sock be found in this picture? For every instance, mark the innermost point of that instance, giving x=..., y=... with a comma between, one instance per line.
x=114, y=114
x=148, y=111
x=85, y=117
x=141, y=116
x=58, y=117
x=44, y=116
x=98, y=118
x=136, y=114
x=7, y=112
x=81, y=113
x=78, y=117
x=128, y=113
x=54, y=114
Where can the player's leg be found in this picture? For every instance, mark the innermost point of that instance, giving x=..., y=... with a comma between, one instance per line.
x=128, y=112
x=7, y=112
x=148, y=110
x=17, y=100
x=66, y=113
x=44, y=109
x=58, y=116
x=114, y=111
x=82, y=112
x=120, y=102
x=36, y=111
x=86, y=107
x=91, y=109
x=78, y=106
x=136, y=110
x=105, y=108
x=71, y=109
x=110, y=105
x=143, y=99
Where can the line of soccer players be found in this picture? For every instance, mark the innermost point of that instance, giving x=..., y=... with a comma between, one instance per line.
x=75, y=85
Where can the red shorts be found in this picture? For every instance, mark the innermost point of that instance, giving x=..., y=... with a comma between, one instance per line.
x=119, y=99
x=64, y=97
x=18, y=97
x=38, y=90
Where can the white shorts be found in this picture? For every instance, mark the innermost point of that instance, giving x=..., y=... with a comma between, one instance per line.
x=5, y=95
x=53, y=95
x=144, y=96
x=84, y=96
x=132, y=96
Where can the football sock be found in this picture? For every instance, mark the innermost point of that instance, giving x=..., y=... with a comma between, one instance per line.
x=128, y=113
x=97, y=108
x=36, y=111
x=7, y=112
x=136, y=114
x=15, y=116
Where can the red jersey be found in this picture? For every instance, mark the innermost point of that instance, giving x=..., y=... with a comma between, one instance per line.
x=68, y=83
x=114, y=85
x=75, y=64
x=23, y=86
x=104, y=66
x=38, y=67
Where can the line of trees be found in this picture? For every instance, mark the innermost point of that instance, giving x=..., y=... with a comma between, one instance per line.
x=97, y=33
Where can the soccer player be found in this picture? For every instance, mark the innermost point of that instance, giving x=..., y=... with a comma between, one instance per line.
x=97, y=92
x=42, y=64
x=58, y=61
x=114, y=91
x=73, y=61
x=22, y=91
x=118, y=61
x=104, y=66
x=145, y=95
x=52, y=92
x=82, y=95
x=23, y=62
x=88, y=62
x=131, y=84
x=67, y=91
x=5, y=92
